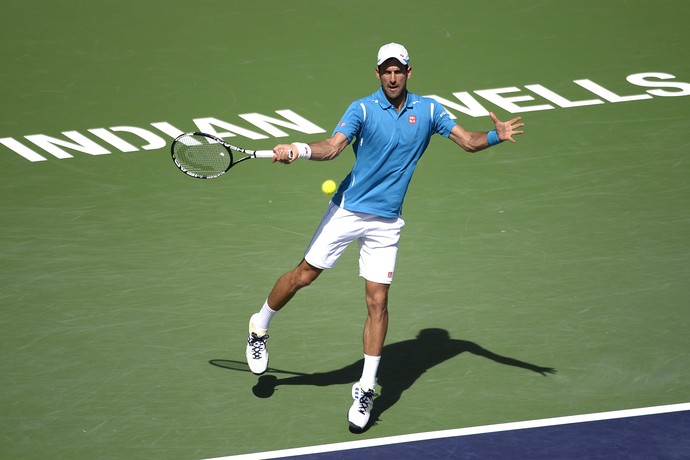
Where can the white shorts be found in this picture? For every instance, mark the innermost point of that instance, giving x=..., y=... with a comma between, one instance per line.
x=378, y=239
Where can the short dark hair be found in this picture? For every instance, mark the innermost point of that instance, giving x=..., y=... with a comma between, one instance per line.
x=404, y=66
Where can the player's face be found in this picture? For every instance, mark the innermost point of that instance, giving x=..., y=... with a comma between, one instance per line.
x=393, y=76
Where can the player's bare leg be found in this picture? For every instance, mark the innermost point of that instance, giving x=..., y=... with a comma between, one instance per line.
x=287, y=285
x=285, y=289
x=376, y=325
x=375, y=329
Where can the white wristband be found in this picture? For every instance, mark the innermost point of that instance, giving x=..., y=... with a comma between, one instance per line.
x=303, y=150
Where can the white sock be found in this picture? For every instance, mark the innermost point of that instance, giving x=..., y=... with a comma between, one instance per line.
x=262, y=320
x=371, y=367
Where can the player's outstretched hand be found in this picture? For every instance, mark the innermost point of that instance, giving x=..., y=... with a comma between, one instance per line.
x=506, y=130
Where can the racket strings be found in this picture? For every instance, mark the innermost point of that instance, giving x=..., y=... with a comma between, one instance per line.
x=201, y=156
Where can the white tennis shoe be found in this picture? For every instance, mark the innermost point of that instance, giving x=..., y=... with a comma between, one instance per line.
x=360, y=411
x=257, y=352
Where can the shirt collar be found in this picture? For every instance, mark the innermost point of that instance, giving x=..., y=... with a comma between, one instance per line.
x=380, y=98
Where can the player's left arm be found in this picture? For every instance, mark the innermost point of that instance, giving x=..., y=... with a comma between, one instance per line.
x=472, y=141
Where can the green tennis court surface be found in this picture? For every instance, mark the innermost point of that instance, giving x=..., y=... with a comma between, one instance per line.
x=126, y=286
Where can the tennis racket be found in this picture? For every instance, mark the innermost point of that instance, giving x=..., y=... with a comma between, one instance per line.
x=204, y=156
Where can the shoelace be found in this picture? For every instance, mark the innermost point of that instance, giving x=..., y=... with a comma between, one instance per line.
x=258, y=344
x=365, y=401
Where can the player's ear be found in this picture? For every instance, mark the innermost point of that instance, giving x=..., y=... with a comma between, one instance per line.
x=378, y=75
x=409, y=71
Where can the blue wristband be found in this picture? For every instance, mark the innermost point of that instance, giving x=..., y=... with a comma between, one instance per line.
x=492, y=137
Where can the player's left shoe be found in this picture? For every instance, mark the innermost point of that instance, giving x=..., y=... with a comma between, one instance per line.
x=360, y=411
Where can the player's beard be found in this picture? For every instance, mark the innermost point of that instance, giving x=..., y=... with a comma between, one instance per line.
x=395, y=95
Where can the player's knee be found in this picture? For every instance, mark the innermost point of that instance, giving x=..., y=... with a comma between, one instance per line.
x=304, y=275
x=377, y=303
x=303, y=280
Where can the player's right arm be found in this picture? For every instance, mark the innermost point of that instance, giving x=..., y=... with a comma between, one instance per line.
x=326, y=149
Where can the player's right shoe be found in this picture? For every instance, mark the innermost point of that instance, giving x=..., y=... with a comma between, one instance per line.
x=360, y=411
x=257, y=352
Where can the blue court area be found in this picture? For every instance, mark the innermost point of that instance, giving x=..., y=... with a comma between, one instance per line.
x=599, y=436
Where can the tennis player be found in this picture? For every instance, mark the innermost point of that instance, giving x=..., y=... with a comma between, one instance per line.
x=389, y=131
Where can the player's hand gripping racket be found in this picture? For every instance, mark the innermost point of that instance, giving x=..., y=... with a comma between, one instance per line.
x=204, y=156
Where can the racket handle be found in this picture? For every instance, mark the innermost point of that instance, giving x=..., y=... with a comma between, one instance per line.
x=269, y=154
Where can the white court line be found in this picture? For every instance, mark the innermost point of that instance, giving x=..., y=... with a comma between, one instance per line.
x=460, y=432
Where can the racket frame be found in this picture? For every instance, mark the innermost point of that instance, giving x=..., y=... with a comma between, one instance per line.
x=228, y=147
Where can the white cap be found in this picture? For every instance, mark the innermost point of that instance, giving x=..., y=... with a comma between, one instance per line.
x=393, y=50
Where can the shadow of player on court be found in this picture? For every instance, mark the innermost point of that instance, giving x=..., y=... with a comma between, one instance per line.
x=402, y=364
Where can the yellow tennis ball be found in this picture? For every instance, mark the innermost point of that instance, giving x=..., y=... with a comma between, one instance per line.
x=328, y=187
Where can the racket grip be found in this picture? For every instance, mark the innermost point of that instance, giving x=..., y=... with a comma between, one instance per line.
x=264, y=154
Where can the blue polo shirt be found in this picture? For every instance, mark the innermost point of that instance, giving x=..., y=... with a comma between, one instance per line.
x=387, y=145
